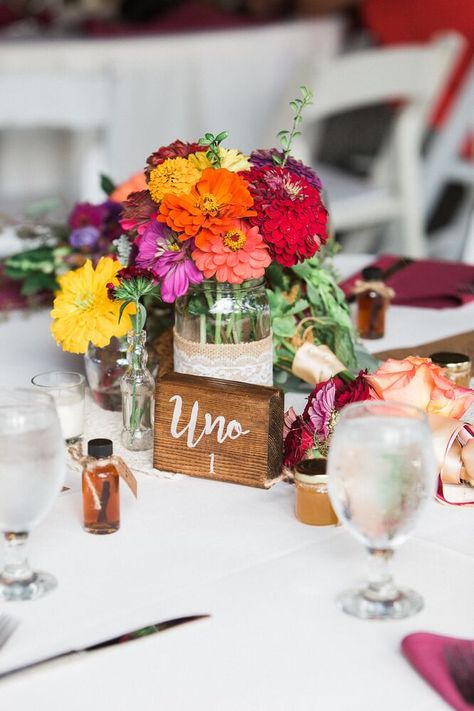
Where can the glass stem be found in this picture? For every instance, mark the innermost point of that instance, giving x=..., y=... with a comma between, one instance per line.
x=16, y=568
x=381, y=586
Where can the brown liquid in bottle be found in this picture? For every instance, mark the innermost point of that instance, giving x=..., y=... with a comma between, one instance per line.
x=371, y=305
x=371, y=308
x=100, y=490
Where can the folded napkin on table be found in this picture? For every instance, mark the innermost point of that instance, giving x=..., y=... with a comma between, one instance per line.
x=425, y=283
x=425, y=652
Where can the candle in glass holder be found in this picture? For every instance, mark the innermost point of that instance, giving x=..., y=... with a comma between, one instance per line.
x=68, y=392
x=456, y=366
x=313, y=506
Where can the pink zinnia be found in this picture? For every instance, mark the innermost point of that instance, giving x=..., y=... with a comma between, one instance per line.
x=239, y=254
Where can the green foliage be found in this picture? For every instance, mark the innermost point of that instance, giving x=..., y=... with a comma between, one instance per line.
x=213, y=143
x=106, y=184
x=306, y=296
x=286, y=136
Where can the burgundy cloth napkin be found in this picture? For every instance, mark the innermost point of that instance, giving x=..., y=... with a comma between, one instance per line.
x=426, y=283
x=425, y=652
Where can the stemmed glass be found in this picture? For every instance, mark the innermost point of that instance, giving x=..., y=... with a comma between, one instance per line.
x=32, y=468
x=381, y=470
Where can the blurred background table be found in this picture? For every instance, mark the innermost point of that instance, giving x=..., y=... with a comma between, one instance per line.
x=106, y=104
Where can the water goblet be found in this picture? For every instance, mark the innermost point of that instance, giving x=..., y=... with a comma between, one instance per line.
x=381, y=470
x=68, y=392
x=32, y=469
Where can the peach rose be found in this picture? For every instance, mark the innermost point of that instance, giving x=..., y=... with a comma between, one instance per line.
x=134, y=184
x=419, y=382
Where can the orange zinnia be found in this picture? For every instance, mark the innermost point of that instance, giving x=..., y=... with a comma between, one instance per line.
x=210, y=209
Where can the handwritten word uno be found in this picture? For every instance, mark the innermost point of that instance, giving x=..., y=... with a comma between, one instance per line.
x=233, y=430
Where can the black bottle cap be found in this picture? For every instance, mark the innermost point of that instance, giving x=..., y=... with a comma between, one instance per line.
x=100, y=448
x=312, y=467
x=372, y=274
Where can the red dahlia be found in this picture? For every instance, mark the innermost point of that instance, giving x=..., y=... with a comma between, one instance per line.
x=290, y=216
x=177, y=149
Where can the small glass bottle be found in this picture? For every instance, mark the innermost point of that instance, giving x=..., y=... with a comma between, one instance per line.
x=100, y=489
x=138, y=391
x=456, y=366
x=313, y=506
x=371, y=304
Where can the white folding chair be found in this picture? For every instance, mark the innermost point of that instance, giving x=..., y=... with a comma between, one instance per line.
x=78, y=102
x=443, y=163
x=412, y=75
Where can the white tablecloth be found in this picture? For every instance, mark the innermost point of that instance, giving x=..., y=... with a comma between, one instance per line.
x=159, y=88
x=276, y=640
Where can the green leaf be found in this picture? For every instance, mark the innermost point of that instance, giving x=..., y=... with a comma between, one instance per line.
x=282, y=133
x=284, y=326
x=222, y=136
x=277, y=159
x=294, y=105
x=106, y=184
x=299, y=306
x=209, y=137
x=122, y=309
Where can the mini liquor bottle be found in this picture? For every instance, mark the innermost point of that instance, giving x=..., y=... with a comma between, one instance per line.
x=100, y=489
x=373, y=297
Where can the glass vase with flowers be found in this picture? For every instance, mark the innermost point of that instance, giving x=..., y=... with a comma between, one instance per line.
x=209, y=224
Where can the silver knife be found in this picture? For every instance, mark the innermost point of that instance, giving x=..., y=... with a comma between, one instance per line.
x=129, y=637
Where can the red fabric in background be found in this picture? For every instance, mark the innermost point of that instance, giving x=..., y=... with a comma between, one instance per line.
x=399, y=21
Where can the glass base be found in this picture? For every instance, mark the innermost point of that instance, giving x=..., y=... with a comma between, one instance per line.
x=139, y=441
x=359, y=603
x=38, y=585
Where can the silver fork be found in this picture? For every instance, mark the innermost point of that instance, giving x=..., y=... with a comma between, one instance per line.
x=459, y=658
x=8, y=625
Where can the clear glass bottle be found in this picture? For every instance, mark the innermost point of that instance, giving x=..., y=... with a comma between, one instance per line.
x=224, y=331
x=371, y=305
x=138, y=396
x=100, y=489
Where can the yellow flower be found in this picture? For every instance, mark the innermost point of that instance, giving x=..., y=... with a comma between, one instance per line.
x=175, y=176
x=231, y=159
x=82, y=310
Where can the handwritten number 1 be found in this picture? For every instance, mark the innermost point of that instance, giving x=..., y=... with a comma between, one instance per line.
x=211, y=469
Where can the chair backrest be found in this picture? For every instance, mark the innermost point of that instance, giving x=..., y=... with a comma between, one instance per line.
x=413, y=74
x=406, y=72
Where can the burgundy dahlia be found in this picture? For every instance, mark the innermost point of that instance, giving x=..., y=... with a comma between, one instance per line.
x=290, y=216
x=264, y=157
x=137, y=209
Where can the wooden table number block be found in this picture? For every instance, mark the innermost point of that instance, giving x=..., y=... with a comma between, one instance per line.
x=218, y=429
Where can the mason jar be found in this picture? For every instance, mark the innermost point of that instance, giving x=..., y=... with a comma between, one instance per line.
x=224, y=331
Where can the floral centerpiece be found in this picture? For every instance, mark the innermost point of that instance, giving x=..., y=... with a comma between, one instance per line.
x=413, y=381
x=208, y=226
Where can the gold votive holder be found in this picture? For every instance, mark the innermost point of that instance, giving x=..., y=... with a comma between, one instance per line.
x=456, y=366
x=312, y=504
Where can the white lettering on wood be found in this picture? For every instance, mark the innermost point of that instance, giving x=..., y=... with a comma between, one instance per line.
x=232, y=431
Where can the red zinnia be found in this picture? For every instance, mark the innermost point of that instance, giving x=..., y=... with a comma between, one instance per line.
x=290, y=216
